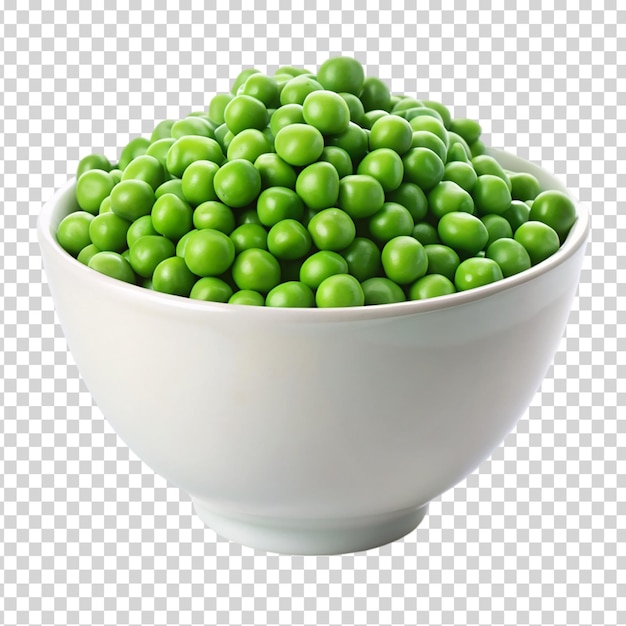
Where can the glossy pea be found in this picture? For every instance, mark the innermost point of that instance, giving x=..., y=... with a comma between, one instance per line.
x=285, y=116
x=318, y=185
x=354, y=141
x=297, y=89
x=463, y=232
x=256, y=269
x=381, y=290
x=278, y=203
x=339, y=290
x=245, y=112
x=171, y=216
x=146, y=168
x=426, y=139
x=112, y=264
x=249, y=144
x=556, y=210
x=163, y=130
x=134, y=148
x=92, y=188
x=290, y=294
x=485, y=164
x=341, y=74
x=288, y=240
x=84, y=256
x=140, y=228
x=422, y=167
x=431, y=286
x=447, y=197
x=425, y=233
x=211, y=289
x=249, y=236
x=299, y=144
x=237, y=183
x=510, y=255
x=491, y=194
x=363, y=258
x=275, y=172
x=375, y=94
x=172, y=276
x=432, y=125
x=385, y=165
x=148, y=251
x=355, y=106
x=332, y=229
x=360, y=195
x=524, y=186
x=190, y=148
x=174, y=185
x=247, y=297
x=159, y=150
x=410, y=196
x=497, y=227
x=193, y=125
x=209, y=252
x=469, y=129
x=404, y=260
x=73, y=232
x=476, y=272
x=320, y=266
x=339, y=159
x=540, y=240
x=132, y=198
x=392, y=220
x=517, y=213
x=461, y=173
x=327, y=111
x=263, y=88
x=197, y=182
x=93, y=162
x=214, y=215
x=391, y=132
x=441, y=109
x=108, y=232
x=217, y=106
x=441, y=260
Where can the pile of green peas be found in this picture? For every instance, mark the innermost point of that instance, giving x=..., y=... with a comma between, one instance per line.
x=310, y=189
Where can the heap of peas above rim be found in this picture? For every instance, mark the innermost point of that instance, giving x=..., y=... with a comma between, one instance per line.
x=310, y=189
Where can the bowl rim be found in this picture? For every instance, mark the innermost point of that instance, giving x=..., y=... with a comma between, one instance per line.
x=576, y=238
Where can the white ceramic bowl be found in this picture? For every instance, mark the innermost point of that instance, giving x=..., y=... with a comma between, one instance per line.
x=314, y=431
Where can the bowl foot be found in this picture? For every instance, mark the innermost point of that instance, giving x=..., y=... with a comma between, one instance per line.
x=296, y=536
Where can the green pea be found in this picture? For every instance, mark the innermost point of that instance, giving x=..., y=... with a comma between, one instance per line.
x=247, y=297
x=404, y=259
x=441, y=260
x=375, y=94
x=517, y=213
x=93, y=162
x=148, y=251
x=491, y=194
x=73, y=232
x=105, y=205
x=404, y=104
x=108, y=232
x=422, y=167
x=139, y=228
x=371, y=117
x=332, y=229
x=447, y=197
x=278, y=203
x=411, y=197
x=217, y=106
x=116, y=175
x=477, y=148
x=211, y=289
x=245, y=112
x=485, y=164
x=275, y=172
x=476, y=272
x=223, y=137
x=461, y=173
x=209, y=252
x=192, y=126
x=249, y=144
x=299, y=144
x=297, y=89
x=159, y=149
x=248, y=216
x=290, y=294
x=242, y=77
x=163, y=130
x=249, y=236
x=392, y=220
x=288, y=240
x=381, y=290
x=425, y=233
x=318, y=185
x=174, y=185
x=426, y=123
x=263, y=88
x=431, y=286
x=134, y=148
x=339, y=290
x=457, y=140
x=131, y=199
x=497, y=227
x=181, y=246
x=339, y=159
x=355, y=106
x=327, y=111
x=146, y=168
x=524, y=186
x=463, y=232
x=112, y=264
x=320, y=266
x=360, y=195
x=420, y=111
x=363, y=258
x=443, y=111
x=215, y=215
x=237, y=183
x=171, y=216
x=84, y=256
x=385, y=165
x=341, y=74
x=192, y=148
x=92, y=188
x=354, y=141
x=510, y=255
x=285, y=116
x=426, y=139
x=539, y=239
x=256, y=269
x=174, y=277
x=457, y=154
x=391, y=132
x=470, y=130
x=556, y=210
x=197, y=182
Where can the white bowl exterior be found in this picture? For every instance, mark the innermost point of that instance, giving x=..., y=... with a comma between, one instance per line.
x=311, y=414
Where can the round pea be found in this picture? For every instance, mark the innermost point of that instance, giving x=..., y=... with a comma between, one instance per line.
x=425, y=233
x=426, y=139
x=360, y=195
x=112, y=264
x=288, y=239
x=163, y=130
x=148, y=251
x=339, y=159
x=296, y=90
x=263, y=88
x=363, y=258
x=247, y=297
x=457, y=153
x=410, y=196
x=381, y=290
x=181, y=245
x=209, y=252
x=275, y=172
x=172, y=216
x=211, y=289
x=134, y=148
x=375, y=94
x=278, y=203
x=192, y=125
x=476, y=272
x=139, y=228
x=190, y=148
x=447, y=197
x=470, y=130
x=174, y=185
x=556, y=210
x=354, y=141
x=84, y=256
x=332, y=229
x=256, y=269
x=510, y=255
x=318, y=185
x=497, y=227
x=108, y=232
x=132, y=199
x=485, y=164
x=443, y=111
x=422, y=167
x=217, y=106
x=385, y=165
x=197, y=182
x=339, y=290
x=441, y=260
x=245, y=112
x=320, y=266
x=539, y=239
x=237, y=183
x=173, y=276
x=463, y=232
x=392, y=220
x=249, y=144
x=431, y=286
x=249, y=236
x=491, y=194
x=341, y=73
x=517, y=213
x=524, y=186
x=285, y=116
x=73, y=232
x=432, y=125
x=159, y=150
x=355, y=107
x=404, y=260
x=290, y=294
x=214, y=215
x=242, y=77
x=327, y=111
x=299, y=144
x=371, y=117
x=92, y=188
x=223, y=137
x=391, y=132
x=461, y=173
x=93, y=162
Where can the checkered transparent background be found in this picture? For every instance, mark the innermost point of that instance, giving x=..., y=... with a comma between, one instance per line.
x=89, y=535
